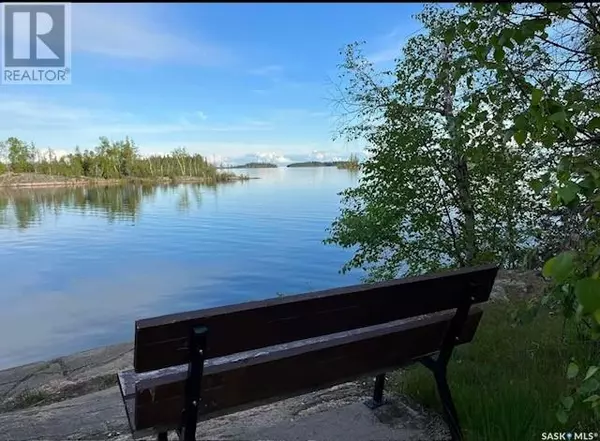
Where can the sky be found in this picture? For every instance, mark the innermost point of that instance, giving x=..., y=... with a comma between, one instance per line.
x=234, y=82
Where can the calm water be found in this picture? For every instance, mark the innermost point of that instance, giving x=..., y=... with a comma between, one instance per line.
x=78, y=266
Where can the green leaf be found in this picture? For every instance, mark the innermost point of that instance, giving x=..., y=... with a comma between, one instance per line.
x=572, y=370
x=567, y=402
x=596, y=315
x=519, y=36
x=592, y=398
x=594, y=123
x=521, y=122
x=536, y=96
x=449, y=35
x=504, y=7
x=481, y=52
x=589, y=386
x=499, y=54
x=559, y=267
x=588, y=293
x=563, y=11
x=590, y=372
x=536, y=185
x=561, y=416
x=552, y=7
x=520, y=136
x=559, y=116
x=536, y=24
x=565, y=163
x=568, y=192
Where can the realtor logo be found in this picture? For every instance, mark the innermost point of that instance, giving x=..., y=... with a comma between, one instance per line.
x=36, y=43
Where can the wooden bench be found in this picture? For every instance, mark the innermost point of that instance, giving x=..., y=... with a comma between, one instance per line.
x=198, y=365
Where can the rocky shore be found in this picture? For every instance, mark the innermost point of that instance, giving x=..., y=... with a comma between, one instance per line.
x=36, y=180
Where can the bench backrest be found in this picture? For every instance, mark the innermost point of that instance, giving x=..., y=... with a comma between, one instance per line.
x=161, y=342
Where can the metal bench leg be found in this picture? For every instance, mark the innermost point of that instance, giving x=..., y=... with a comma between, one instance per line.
x=441, y=380
x=439, y=365
x=193, y=383
x=377, y=399
x=448, y=405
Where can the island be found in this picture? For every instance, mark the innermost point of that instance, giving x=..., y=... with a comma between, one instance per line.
x=351, y=164
x=314, y=164
x=251, y=165
x=22, y=164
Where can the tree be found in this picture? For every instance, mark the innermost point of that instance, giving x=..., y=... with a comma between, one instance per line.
x=442, y=186
x=20, y=155
x=180, y=154
x=561, y=116
x=109, y=160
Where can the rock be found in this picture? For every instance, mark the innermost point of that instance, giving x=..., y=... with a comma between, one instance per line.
x=517, y=284
x=334, y=413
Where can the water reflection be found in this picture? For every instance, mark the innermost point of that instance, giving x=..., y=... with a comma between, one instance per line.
x=23, y=208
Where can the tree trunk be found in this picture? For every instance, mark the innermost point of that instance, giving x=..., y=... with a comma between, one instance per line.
x=460, y=171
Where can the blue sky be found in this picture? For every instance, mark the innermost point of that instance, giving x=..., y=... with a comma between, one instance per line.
x=231, y=81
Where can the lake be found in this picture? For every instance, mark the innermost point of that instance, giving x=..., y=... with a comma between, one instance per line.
x=79, y=265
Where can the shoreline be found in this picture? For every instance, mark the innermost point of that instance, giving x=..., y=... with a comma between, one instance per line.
x=78, y=182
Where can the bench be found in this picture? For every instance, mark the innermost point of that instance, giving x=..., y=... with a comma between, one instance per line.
x=198, y=365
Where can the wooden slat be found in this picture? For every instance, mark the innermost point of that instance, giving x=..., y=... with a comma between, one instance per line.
x=161, y=342
x=275, y=375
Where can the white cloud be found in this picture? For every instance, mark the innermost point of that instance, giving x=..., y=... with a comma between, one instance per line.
x=62, y=127
x=50, y=124
x=295, y=153
x=136, y=31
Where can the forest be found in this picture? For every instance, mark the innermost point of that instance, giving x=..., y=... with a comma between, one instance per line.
x=109, y=160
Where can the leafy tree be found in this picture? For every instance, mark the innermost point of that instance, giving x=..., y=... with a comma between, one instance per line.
x=562, y=118
x=443, y=185
x=20, y=155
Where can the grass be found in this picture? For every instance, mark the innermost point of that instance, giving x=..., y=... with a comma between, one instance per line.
x=25, y=399
x=507, y=382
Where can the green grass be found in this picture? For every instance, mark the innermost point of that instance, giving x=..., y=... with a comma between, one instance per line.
x=507, y=382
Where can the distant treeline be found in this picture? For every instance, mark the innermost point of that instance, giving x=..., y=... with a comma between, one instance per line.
x=352, y=163
x=109, y=160
x=251, y=165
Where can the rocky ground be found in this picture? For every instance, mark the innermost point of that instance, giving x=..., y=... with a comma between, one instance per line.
x=29, y=180
x=511, y=284
x=329, y=414
x=37, y=180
